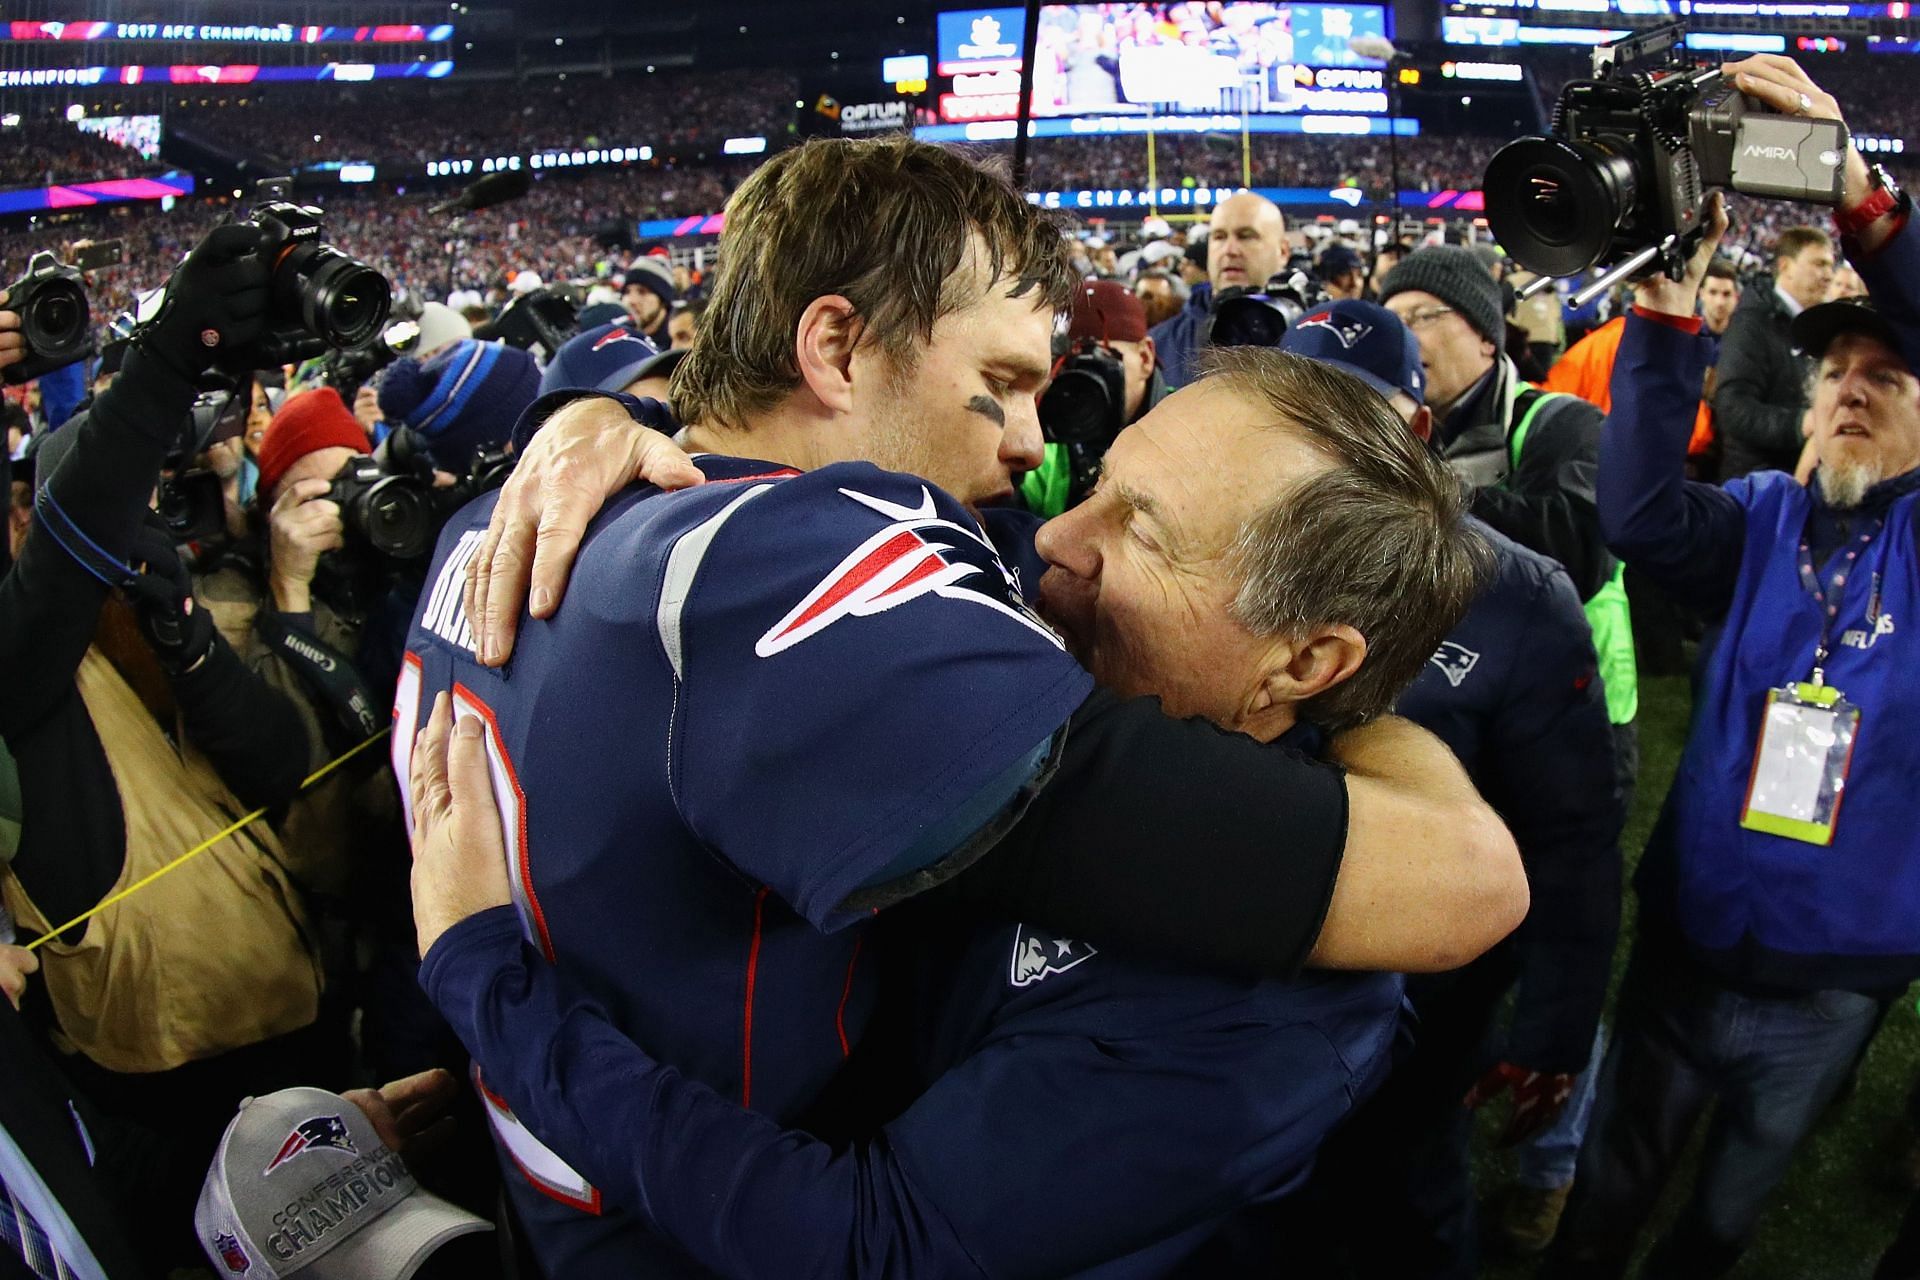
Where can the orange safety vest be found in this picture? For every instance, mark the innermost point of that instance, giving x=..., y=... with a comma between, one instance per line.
x=1586, y=370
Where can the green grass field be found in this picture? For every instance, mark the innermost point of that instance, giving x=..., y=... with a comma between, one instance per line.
x=1840, y=1205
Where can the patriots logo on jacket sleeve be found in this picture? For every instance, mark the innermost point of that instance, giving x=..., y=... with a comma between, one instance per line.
x=1037, y=955
x=1347, y=329
x=1455, y=661
x=310, y=1135
x=917, y=553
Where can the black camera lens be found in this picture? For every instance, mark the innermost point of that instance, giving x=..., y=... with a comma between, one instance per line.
x=339, y=300
x=394, y=517
x=57, y=318
x=1251, y=320
x=1079, y=408
x=1554, y=205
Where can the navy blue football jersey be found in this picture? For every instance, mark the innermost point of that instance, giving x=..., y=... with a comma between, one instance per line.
x=762, y=704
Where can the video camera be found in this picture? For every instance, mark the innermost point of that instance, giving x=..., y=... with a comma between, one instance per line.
x=543, y=317
x=1083, y=408
x=1261, y=318
x=190, y=498
x=55, y=320
x=1635, y=150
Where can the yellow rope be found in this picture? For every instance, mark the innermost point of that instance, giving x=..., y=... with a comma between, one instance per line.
x=203, y=846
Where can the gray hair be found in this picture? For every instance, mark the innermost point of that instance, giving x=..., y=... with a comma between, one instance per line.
x=1379, y=542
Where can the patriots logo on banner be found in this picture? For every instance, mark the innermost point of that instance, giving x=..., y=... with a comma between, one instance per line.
x=311, y=1135
x=917, y=554
x=1037, y=955
x=1345, y=328
x=1455, y=661
x=232, y=1254
x=619, y=333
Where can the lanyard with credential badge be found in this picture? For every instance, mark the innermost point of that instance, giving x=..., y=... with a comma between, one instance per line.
x=1827, y=596
x=1808, y=730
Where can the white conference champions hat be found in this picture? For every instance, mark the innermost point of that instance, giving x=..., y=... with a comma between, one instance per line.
x=302, y=1185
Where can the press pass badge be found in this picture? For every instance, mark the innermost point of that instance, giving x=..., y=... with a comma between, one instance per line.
x=1800, y=765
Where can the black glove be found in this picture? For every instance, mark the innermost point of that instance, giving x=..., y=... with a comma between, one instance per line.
x=215, y=305
x=161, y=592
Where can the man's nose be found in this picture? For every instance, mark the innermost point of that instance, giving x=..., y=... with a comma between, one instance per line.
x=1022, y=445
x=1066, y=542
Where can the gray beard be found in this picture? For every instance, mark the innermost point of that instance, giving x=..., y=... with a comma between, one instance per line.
x=1846, y=487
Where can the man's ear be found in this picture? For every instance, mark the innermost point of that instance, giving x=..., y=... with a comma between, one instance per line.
x=823, y=348
x=1302, y=670
x=1149, y=353
x=1422, y=422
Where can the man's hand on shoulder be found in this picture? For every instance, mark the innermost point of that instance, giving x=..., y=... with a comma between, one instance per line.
x=585, y=453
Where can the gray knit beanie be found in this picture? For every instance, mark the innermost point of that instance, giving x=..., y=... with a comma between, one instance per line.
x=1453, y=274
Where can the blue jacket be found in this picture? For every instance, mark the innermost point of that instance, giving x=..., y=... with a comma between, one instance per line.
x=847, y=632
x=1178, y=339
x=1084, y=1114
x=1760, y=910
x=1515, y=691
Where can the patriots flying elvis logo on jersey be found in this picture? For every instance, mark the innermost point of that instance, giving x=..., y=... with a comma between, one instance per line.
x=917, y=553
x=1037, y=955
x=309, y=1135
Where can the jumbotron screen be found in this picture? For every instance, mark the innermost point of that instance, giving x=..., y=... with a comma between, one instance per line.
x=1178, y=58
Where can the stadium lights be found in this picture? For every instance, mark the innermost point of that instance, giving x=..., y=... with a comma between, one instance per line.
x=76, y=113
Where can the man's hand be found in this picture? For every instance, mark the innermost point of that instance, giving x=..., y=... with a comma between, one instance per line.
x=304, y=523
x=410, y=1115
x=215, y=305
x=13, y=343
x=459, y=856
x=1538, y=1098
x=1678, y=297
x=15, y=964
x=583, y=455
x=176, y=628
x=366, y=407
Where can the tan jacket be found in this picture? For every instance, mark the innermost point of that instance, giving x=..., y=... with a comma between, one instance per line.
x=212, y=956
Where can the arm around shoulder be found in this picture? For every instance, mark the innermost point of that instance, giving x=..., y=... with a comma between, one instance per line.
x=1431, y=877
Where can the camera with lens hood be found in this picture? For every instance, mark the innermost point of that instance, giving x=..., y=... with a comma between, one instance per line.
x=55, y=320
x=1633, y=153
x=1261, y=317
x=322, y=299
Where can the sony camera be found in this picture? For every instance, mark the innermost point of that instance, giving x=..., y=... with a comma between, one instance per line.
x=55, y=320
x=322, y=299
x=1261, y=317
x=1633, y=154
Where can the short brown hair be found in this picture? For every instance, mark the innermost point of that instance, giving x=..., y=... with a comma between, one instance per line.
x=1795, y=241
x=1378, y=543
x=887, y=224
x=1719, y=268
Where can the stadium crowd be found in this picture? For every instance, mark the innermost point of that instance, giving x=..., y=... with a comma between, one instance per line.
x=852, y=852
x=40, y=154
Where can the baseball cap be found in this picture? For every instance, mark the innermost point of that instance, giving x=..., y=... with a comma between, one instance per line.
x=1815, y=328
x=1366, y=340
x=1106, y=311
x=1158, y=251
x=607, y=358
x=1338, y=260
x=302, y=1185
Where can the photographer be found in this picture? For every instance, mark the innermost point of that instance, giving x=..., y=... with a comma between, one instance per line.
x=1774, y=930
x=1245, y=247
x=138, y=734
x=1107, y=322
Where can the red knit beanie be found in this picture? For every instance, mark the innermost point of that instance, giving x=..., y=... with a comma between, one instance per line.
x=313, y=420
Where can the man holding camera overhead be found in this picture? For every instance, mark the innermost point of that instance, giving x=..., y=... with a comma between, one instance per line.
x=1775, y=923
x=138, y=733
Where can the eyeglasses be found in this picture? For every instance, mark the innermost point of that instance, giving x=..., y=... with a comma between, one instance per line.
x=1426, y=316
